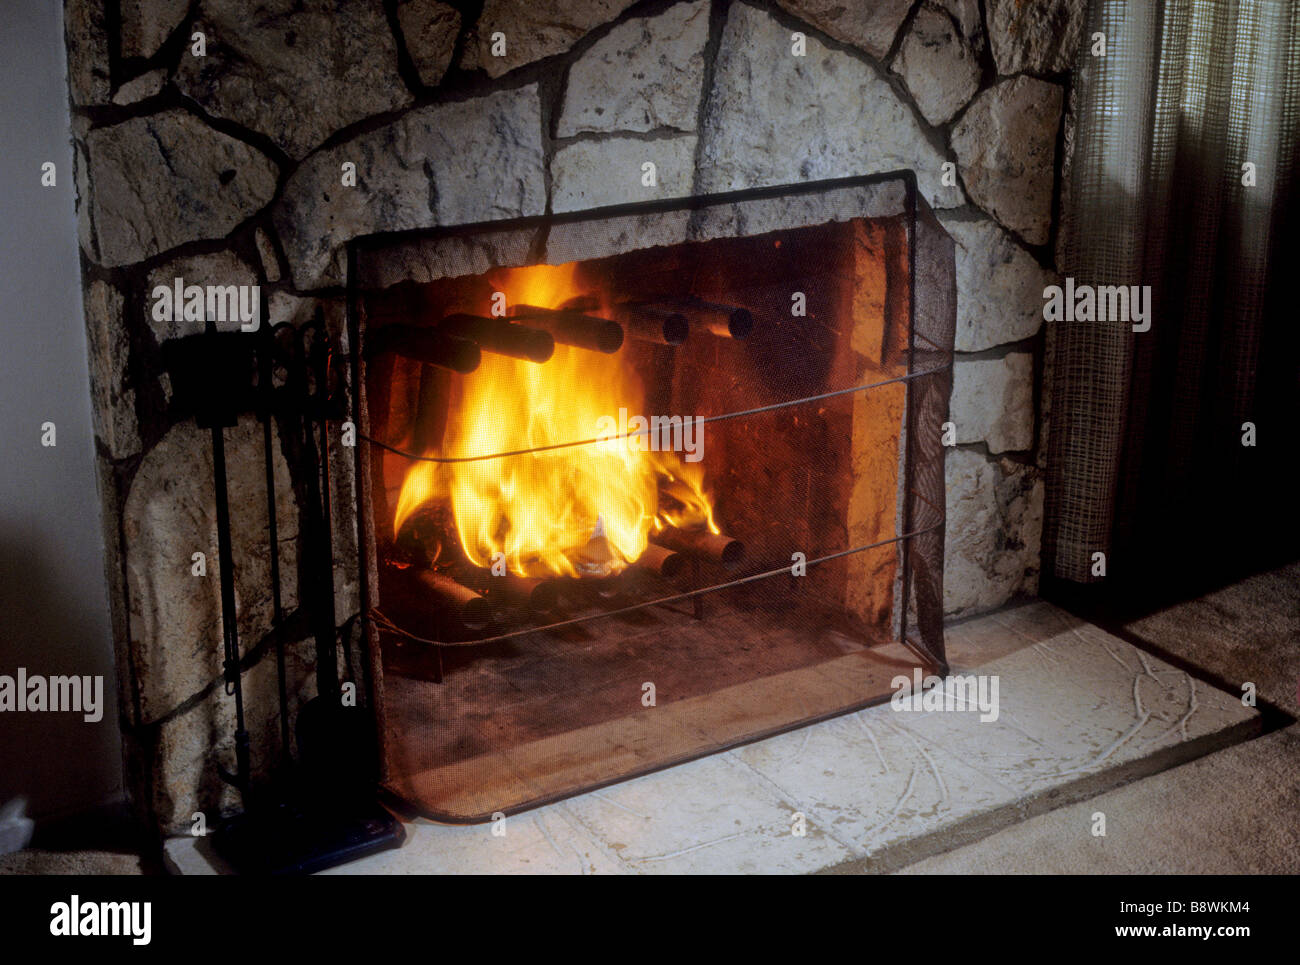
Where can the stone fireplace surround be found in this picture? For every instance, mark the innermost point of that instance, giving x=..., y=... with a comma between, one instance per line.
x=226, y=169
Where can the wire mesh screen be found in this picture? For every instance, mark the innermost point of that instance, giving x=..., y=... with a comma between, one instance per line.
x=934, y=313
x=626, y=504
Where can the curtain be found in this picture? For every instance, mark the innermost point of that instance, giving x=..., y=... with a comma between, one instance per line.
x=1181, y=179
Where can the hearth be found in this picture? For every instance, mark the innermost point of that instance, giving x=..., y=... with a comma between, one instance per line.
x=642, y=483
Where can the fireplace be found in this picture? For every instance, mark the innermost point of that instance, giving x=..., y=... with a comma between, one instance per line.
x=449, y=131
x=643, y=483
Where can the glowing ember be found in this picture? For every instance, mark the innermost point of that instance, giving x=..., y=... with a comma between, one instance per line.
x=542, y=509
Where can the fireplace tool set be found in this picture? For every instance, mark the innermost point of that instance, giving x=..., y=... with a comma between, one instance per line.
x=318, y=808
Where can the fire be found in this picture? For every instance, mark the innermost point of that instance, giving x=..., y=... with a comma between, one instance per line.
x=542, y=509
x=689, y=506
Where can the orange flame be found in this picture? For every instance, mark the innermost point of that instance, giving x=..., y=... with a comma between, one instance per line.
x=541, y=509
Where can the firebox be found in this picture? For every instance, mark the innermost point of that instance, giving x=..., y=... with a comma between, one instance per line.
x=643, y=483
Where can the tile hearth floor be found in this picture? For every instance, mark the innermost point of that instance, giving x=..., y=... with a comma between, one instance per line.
x=1081, y=712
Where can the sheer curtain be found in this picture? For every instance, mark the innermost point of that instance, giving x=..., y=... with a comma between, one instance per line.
x=1181, y=179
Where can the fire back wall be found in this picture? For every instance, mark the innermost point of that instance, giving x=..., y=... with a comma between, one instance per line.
x=229, y=143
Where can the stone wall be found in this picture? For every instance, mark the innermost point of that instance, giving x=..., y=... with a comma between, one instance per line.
x=226, y=168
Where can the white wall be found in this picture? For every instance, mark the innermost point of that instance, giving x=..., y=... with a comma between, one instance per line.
x=53, y=597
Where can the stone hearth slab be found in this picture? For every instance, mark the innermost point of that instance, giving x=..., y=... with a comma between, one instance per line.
x=1080, y=712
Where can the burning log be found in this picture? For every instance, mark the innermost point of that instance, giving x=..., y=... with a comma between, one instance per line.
x=501, y=336
x=429, y=345
x=652, y=323
x=701, y=544
x=419, y=540
x=571, y=327
x=424, y=602
x=725, y=320
x=658, y=561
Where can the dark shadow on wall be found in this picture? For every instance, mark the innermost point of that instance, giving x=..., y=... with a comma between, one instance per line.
x=53, y=758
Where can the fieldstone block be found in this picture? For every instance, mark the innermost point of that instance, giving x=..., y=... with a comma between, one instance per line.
x=138, y=88
x=644, y=74
x=86, y=31
x=533, y=30
x=593, y=174
x=146, y=24
x=1006, y=148
x=582, y=240
x=938, y=66
x=773, y=118
x=999, y=286
x=216, y=268
x=429, y=259
x=191, y=744
x=170, y=515
x=159, y=181
x=81, y=177
x=1035, y=36
x=882, y=199
x=971, y=24
x=614, y=236
x=296, y=71
x=430, y=30
x=993, y=533
x=993, y=401
x=112, y=398
x=476, y=160
x=871, y=26
x=266, y=254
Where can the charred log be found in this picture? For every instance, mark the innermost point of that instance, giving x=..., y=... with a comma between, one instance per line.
x=652, y=323
x=701, y=544
x=574, y=328
x=659, y=561
x=727, y=321
x=500, y=336
x=426, y=603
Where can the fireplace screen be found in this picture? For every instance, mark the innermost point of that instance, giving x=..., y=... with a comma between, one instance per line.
x=646, y=483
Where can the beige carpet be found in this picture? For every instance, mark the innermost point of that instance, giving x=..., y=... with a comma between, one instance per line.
x=1249, y=631
x=33, y=862
x=1236, y=811
x=1233, y=812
